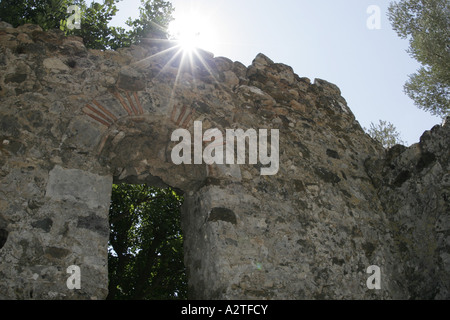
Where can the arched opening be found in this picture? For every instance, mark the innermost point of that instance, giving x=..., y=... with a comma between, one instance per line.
x=146, y=243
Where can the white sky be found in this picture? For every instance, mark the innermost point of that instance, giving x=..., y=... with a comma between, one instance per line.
x=325, y=39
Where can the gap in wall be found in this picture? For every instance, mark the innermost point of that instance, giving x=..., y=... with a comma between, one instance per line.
x=145, y=249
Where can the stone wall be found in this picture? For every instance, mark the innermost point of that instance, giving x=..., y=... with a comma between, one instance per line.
x=73, y=121
x=414, y=188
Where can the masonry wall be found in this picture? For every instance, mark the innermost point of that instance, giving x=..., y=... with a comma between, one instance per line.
x=73, y=121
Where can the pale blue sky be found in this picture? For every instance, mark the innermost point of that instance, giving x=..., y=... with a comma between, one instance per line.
x=325, y=39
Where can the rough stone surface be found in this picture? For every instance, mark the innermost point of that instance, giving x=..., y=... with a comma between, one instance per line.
x=74, y=120
x=79, y=185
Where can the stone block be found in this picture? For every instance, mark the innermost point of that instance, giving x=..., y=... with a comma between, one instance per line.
x=79, y=186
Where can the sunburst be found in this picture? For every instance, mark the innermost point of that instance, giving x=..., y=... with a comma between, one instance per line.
x=192, y=30
x=190, y=35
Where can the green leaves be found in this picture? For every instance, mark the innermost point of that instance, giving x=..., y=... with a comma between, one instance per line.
x=94, y=24
x=96, y=32
x=155, y=16
x=430, y=91
x=45, y=13
x=426, y=23
x=153, y=21
x=385, y=133
x=145, y=258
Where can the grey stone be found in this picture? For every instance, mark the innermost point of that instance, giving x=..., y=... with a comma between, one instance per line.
x=338, y=204
x=79, y=186
x=16, y=77
x=94, y=223
x=131, y=80
x=44, y=224
x=222, y=214
x=57, y=253
x=4, y=25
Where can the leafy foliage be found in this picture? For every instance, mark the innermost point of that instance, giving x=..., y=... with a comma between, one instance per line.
x=426, y=23
x=94, y=29
x=154, y=19
x=45, y=13
x=145, y=257
x=385, y=133
x=155, y=16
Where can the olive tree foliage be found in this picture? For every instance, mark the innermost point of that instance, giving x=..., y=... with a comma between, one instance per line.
x=95, y=28
x=426, y=24
x=385, y=133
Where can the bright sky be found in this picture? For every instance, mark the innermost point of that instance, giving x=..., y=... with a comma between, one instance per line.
x=327, y=39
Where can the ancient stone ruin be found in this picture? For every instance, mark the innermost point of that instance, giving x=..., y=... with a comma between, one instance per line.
x=73, y=121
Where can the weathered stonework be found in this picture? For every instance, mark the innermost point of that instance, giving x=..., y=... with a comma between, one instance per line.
x=74, y=120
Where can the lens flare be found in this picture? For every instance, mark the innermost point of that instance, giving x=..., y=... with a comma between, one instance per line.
x=192, y=30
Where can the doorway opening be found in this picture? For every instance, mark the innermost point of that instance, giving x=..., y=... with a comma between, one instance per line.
x=145, y=249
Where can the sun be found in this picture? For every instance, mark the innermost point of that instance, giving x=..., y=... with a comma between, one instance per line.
x=192, y=31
